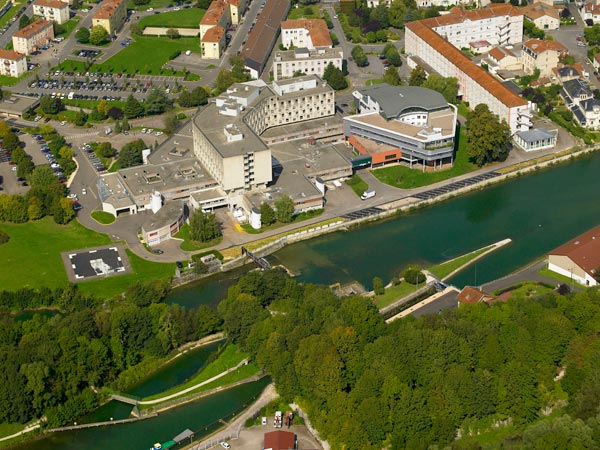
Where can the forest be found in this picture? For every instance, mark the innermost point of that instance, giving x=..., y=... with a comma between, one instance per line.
x=531, y=366
x=56, y=364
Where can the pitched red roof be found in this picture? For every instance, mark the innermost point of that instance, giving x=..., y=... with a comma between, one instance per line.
x=51, y=3
x=279, y=440
x=214, y=34
x=317, y=30
x=12, y=55
x=107, y=9
x=214, y=13
x=470, y=294
x=539, y=46
x=32, y=28
x=459, y=15
x=456, y=57
x=584, y=250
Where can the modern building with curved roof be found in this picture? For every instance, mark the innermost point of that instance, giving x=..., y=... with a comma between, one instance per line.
x=407, y=123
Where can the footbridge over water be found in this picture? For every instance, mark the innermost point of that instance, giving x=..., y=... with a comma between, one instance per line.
x=262, y=262
x=124, y=399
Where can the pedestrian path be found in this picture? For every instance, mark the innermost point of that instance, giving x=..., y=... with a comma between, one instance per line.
x=80, y=135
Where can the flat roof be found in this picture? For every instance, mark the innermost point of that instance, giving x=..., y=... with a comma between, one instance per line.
x=299, y=127
x=165, y=216
x=309, y=160
x=438, y=119
x=18, y=104
x=395, y=100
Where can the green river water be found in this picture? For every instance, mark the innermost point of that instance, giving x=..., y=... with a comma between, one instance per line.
x=538, y=212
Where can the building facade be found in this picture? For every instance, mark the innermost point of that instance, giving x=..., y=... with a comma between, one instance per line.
x=475, y=84
x=536, y=139
x=410, y=123
x=579, y=258
x=308, y=62
x=544, y=16
x=542, y=55
x=111, y=15
x=12, y=64
x=33, y=36
x=55, y=10
x=305, y=33
x=212, y=43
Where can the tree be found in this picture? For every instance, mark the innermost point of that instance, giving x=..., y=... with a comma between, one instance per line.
x=10, y=141
x=98, y=35
x=80, y=118
x=203, y=4
x=42, y=177
x=133, y=108
x=157, y=101
x=378, y=287
x=171, y=123
x=57, y=28
x=82, y=35
x=284, y=209
x=203, y=226
x=448, y=87
x=62, y=210
x=125, y=125
x=24, y=21
x=391, y=54
x=334, y=77
x=418, y=76
x=391, y=76
x=224, y=80
x=137, y=29
x=25, y=168
x=359, y=56
x=267, y=215
x=131, y=153
x=413, y=275
x=105, y=150
x=238, y=69
x=173, y=33
x=381, y=15
x=488, y=138
x=115, y=113
x=50, y=105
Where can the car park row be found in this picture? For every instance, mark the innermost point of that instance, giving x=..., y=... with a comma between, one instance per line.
x=94, y=160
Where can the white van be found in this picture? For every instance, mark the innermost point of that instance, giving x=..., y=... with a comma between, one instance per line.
x=71, y=95
x=370, y=193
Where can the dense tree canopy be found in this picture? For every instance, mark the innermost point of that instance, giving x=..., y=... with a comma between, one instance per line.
x=414, y=383
x=203, y=226
x=488, y=138
x=131, y=153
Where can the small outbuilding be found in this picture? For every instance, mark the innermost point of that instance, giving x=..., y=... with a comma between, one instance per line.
x=579, y=258
x=280, y=440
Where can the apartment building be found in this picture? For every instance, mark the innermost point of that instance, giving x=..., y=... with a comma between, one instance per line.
x=226, y=133
x=217, y=15
x=55, y=10
x=236, y=10
x=212, y=43
x=263, y=37
x=305, y=33
x=303, y=60
x=12, y=64
x=590, y=10
x=502, y=58
x=111, y=15
x=33, y=36
x=498, y=24
x=545, y=17
x=475, y=84
x=407, y=123
x=542, y=55
x=578, y=96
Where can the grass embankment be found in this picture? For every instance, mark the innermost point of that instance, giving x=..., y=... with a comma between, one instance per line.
x=545, y=272
x=304, y=12
x=406, y=178
x=189, y=245
x=446, y=268
x=186, y=18
x=152, y=4
x=230, y=357
x=357, y=184
x=146, y=55
x=296, y=219
x=68, y=27
x=394, y=293
x=33, y=255
x=103, y=217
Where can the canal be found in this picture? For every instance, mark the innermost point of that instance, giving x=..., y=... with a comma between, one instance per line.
x=201, y=417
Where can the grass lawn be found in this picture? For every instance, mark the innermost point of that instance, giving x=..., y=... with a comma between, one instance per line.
x=446, y=268
x=186, y=18
x=374, y=81
x=151, y=4
x=145, y=55
x=357, y=184
x=68, y=27
x=91, y=104
x=230, y=357
x=12, y=12
x=304, y=12
x=6, y=429
x=142, y=271
x=406, y=178
x=103, y=217
x=528, y=290
x=545, y=272
x=297, y=218
x=395, y=293
x=190, y=245
x=33, y=252
x=5, y=80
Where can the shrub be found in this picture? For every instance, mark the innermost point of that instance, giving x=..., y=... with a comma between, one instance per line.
x=413, y=275
x=4, y=238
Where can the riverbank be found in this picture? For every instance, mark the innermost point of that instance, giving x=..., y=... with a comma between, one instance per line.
x=411, y=202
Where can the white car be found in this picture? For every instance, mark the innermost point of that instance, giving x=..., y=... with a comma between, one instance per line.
x=225, y=444
x=72, y=196
x=83, y=191
x=85, y=10
x=150, y=9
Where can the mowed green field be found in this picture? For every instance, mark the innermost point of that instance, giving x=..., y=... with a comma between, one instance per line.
x=186, y=18
x=32, y=258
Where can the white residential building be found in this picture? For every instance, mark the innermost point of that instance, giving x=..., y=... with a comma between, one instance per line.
x=542, y=55
x=545, y=17
x=305, y=33
x=55, y=10
x=303, y=60
x=12, y=64
x=33, y=36
x=498, y=24
x=580, y=99
x=475, y=84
